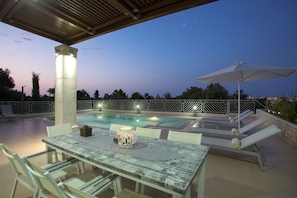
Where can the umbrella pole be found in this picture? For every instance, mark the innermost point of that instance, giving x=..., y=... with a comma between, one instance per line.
x=238, y=93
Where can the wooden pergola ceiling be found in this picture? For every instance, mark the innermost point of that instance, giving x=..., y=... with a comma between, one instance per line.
x=73, y=21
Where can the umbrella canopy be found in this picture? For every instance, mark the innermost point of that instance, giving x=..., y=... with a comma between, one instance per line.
x=243, y=72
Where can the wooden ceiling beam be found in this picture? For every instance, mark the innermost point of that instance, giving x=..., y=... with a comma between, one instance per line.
x=125, y=9
x=10, y=9
x=53, y=12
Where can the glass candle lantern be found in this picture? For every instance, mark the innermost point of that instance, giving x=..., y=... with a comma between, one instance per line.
x=126, y=137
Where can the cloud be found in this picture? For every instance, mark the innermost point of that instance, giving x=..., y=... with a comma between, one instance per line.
x=89, y=50
x=25, y=36
x=27, y=39
x=2, y=34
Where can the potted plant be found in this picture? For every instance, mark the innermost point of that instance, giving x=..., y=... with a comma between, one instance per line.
x=86, y=131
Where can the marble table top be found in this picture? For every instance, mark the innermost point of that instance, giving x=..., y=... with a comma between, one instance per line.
x=163, y=163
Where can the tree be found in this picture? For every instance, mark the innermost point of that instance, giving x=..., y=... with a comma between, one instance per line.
x=5, y=79
x=51, y=92
x=96, y=94
x=136, y=95
x=82, y=95
x=167, y=95
x=283, y=108
x=242, y=95
x=215, y=91
x=148, y=96
x=6, y=85
x=106, y=97
x=118, y=94
x=192, y=93
x=35, y=86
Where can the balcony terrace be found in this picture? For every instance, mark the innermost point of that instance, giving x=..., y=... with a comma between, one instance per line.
x=227, y=174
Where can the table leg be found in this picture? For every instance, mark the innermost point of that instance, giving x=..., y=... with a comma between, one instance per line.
x=201, y=178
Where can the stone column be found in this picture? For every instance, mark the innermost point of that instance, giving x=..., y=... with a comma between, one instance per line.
x=65, y=85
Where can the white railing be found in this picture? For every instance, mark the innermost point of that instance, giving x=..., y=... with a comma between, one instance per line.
x=160, y=105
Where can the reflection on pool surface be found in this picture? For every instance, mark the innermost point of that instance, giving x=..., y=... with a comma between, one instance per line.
x=103, y=120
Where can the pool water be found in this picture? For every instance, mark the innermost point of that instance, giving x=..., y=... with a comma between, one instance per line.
x=104, y=120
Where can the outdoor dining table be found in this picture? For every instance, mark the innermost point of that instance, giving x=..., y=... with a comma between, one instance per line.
x=165, y=165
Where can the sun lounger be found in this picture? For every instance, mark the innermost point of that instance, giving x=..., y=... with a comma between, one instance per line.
x=218, y=122
x=228, y=133
x=229, y=118
x=236, y=145
x=6, y=112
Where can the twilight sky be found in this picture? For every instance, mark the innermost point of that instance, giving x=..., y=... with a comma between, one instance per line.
x=168, y=53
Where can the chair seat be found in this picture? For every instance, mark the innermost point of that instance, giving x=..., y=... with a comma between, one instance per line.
x=87, y=182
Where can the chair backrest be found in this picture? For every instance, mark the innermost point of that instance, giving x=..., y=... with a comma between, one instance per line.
x=180, y=136
x=251, y=125
x=148, y=132
x=17, y=164
x=258, y=136
x=242, y=113
x=115, y=127
x=43, y=179
x=60, y=129
x=243, y=116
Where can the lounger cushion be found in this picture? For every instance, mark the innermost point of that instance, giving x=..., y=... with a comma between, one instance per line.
x=232, y=121
x=235, y=143
x=234, y=132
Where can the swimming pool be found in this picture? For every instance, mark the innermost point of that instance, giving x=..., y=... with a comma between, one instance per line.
x=104, y=120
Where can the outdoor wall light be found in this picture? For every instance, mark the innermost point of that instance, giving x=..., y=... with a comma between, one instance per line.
x=100, y=106
x=137, y=108
x=195, y=109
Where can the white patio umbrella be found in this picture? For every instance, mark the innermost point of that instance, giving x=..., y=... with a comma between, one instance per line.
x=243, y=72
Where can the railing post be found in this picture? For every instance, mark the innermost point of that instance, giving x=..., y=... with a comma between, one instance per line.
x=228, y=107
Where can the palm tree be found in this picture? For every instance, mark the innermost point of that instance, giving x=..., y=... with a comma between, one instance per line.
x=35, y=87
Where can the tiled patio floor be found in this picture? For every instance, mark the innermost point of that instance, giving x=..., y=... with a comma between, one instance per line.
x=227, y=174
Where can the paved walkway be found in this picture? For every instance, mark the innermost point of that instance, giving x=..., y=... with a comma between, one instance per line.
x=227, y=174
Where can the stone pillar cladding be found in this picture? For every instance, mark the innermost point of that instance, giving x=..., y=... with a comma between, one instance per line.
x=289, y=129
x=65, y=85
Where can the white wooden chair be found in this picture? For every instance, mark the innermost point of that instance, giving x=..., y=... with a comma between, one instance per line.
x=91, y=184
x=115, y=127
x=146, y=132
x=86, y=185
x=63, y=129
x=21, y=173
x=192, y=138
